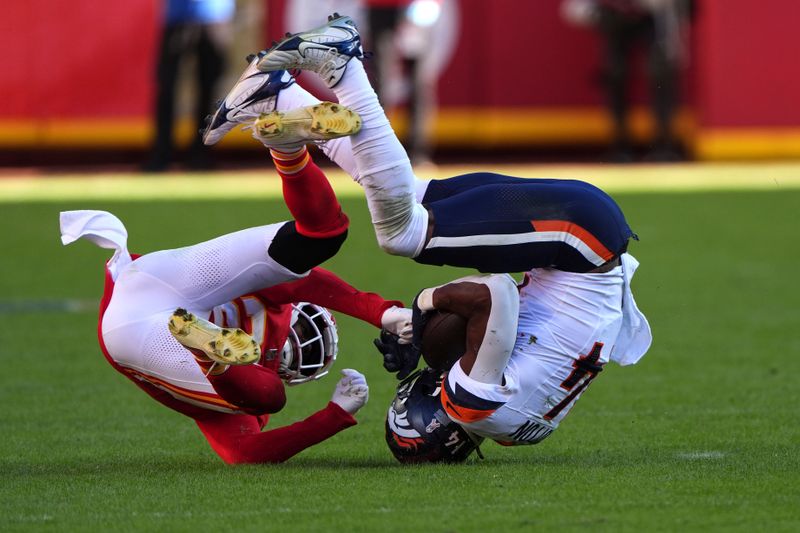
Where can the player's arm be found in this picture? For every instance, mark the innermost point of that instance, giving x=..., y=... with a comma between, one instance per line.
x=490, y=305
x=238, y=440
x=325, y=288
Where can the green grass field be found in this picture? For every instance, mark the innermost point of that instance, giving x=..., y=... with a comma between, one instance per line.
x=703, y=434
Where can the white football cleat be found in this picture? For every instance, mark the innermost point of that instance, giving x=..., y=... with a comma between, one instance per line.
x=325, y=50
x=206, y=340
x=256, y=92
x=295, y=128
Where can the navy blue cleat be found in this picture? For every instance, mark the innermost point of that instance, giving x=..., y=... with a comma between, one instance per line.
x=325, y=50
x=255, y=93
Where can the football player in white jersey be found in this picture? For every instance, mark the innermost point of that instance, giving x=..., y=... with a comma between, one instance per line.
x=214, y=330
x=531, y=351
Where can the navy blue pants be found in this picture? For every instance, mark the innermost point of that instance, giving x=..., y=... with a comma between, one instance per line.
x=497, y=223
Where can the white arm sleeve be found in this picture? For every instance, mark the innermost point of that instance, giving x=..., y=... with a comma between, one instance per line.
x=501, y=329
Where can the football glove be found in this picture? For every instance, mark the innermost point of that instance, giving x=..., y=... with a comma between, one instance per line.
x=397, y=320
x=352, y=391
x=397, y=357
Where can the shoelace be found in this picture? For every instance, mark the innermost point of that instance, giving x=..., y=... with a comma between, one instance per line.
x=329, y=64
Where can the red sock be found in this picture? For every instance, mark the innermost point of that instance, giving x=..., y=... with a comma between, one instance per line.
x=309, y=195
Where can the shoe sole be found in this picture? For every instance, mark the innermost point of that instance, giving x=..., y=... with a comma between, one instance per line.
x=229, y=346
x=320, y=122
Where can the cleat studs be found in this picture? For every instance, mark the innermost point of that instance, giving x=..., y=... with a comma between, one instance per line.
x=249, y=59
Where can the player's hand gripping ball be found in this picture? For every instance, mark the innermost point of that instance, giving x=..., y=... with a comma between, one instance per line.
x=397, y=356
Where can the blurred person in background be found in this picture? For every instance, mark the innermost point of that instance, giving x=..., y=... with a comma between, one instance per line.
x=198, y=31
x=625, y=25
x=407, y=64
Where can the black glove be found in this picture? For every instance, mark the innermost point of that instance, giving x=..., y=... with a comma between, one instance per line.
x=418, y=321
x=400, y=358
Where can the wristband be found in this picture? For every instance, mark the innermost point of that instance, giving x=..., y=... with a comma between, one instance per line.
x=425, y=300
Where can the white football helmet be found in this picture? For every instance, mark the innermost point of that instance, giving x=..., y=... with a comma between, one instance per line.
x=311, y=347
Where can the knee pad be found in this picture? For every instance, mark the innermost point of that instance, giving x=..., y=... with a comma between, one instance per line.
x=403, y=235
x=299, y=253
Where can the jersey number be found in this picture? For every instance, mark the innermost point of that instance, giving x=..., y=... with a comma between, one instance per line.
x=584, y=371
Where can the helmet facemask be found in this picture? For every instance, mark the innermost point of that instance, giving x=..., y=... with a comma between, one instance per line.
x=311, y=347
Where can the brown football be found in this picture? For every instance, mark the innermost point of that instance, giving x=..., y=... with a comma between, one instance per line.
x=444, y=339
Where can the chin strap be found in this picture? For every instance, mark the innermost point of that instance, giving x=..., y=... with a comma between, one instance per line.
x=477, y=440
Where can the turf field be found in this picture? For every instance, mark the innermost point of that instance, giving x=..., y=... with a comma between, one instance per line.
x=702, y=434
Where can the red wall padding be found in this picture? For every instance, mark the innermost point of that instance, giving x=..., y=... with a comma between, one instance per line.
x=77, y=59
x=748, y=62
x=82, y=59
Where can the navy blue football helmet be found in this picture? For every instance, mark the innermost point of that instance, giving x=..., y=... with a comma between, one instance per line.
x=417, y=428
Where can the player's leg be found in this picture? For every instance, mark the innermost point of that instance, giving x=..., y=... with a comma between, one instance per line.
x=319, y=227
x=196, y=278
x=500, y=223
x=141, y=347
x=256, y=93
x=401, y=223
x=385, y=171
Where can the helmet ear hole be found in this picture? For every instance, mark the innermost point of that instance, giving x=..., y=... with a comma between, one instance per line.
x=311, y=346
x=417, y=428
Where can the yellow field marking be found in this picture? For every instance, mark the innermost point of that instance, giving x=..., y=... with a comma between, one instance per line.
x=265, y=183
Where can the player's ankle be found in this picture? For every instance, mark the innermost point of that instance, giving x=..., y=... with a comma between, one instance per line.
x=290, y=161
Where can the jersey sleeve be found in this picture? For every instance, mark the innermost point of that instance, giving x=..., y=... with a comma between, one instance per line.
x=324, y=288
x=237, y=439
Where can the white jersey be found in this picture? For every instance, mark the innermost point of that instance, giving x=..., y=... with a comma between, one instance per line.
x=569, y=326
x=208, y=279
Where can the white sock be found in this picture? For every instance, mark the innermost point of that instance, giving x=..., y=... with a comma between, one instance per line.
x=340, y=151
x=384, y=168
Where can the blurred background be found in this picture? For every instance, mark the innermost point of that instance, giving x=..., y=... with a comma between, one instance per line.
x=550, y=80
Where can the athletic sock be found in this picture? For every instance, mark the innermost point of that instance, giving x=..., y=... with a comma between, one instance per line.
x=308, y=195
x=384, y=168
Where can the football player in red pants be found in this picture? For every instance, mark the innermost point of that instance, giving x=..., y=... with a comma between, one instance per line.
x=214, y=330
